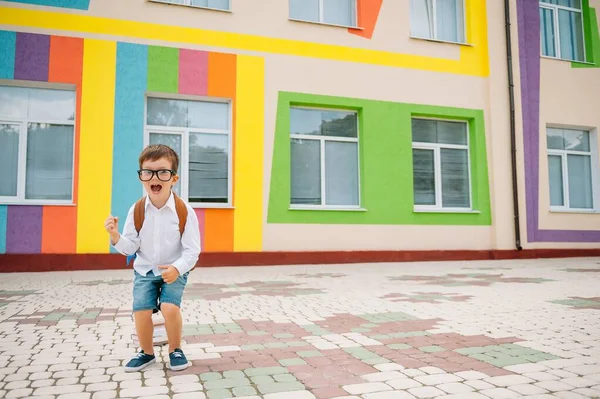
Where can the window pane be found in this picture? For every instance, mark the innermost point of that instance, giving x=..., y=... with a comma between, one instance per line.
x=9, y=159
x=451, y=133
x=339, y=12
x=576, y=140
x=421, y=18
x=13, y=101
x=51, y=105
x=306, y=172
x=173, y=141
x=570, y=26
x=566, y=3
x=580, y=181
x=218, y=4
x=209, y=168
x=305, y=121
x=555, y=139
x=163, y=112
x=455, y=178
x=556, y=180
x=339, y=124
x=424, y=177
x=341, y=173
x=423, y=131
x=450, y=20
x=208, y=115
x=49, y=172
x=547, y=32
x=305, y=10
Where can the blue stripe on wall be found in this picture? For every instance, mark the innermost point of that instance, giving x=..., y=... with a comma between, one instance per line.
x=3, y=223
x=8, y=45
x=132, y=76
x=74, y=4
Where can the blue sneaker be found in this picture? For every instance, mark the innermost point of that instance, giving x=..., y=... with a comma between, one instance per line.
x=139, y=362
x=178, y=361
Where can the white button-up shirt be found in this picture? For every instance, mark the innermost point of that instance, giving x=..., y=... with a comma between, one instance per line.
x=160, y=242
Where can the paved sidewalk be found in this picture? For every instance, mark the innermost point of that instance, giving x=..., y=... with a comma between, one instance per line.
x=465, y=330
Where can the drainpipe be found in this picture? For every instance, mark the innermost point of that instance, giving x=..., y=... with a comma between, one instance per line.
x=513, y=146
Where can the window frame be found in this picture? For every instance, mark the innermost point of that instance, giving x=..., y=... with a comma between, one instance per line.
x=555, y=8
x=321, y=21
x=322, y=140
x=20, y=199
x=435, y=37
x=189, y=4
x=437, y=162
x=563, y=154
x=183, y=133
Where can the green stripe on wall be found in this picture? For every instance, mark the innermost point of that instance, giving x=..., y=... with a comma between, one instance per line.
x=163, y=69
x=591, y=37
x=386, y=172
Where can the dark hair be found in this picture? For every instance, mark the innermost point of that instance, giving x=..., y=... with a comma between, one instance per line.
x=155, y=152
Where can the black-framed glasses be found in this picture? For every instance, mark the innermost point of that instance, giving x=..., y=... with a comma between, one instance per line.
x=161, y=174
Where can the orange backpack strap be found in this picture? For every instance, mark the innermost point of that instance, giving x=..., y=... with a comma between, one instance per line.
x=139, y=214
x=182, y=212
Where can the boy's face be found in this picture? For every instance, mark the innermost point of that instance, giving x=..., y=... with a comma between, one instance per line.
x=159, y=190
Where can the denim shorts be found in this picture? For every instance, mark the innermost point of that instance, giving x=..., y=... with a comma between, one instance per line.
x=150, y=291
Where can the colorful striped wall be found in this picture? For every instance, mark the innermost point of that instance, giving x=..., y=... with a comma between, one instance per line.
x=110, y=131
x=73, y=4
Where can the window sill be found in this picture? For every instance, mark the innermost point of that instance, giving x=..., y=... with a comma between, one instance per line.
x=191, y=6
x=37, y=203
x=465, y=211
x=442, y=41
x=566, y=60
x=211, y=206
x=325, y=208
x=581, y=211
x=322, y=23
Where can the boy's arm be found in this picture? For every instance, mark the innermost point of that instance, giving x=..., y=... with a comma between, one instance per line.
x=190, y=240
x=129, y=242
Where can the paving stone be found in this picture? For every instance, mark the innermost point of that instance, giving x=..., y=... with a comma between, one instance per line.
x=389, y=395
x=226, y=383
x=403, y=383
x=506, y=380
x=290, y=395
x=425, y=392
x=102, y=386
x=383, y=376
x=218, y=394
x=144, y=391
x=554, y=386
x=280, y=387
x=59, y=390
x=189, y=395
x=479, y=384
x=455, y=387
x=183, y=379
x=187, y=387
x=527, y=389
x=542, y=376
x=359, y=389
x=499, y=393
x=437, y=379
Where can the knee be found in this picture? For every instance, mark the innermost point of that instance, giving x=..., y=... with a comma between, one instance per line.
x=169, y=310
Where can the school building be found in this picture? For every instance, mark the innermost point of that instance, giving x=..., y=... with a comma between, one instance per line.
x=308, y=130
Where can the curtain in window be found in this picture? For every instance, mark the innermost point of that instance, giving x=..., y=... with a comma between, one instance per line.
x=580, y=181
x=209, y=167
x=9, y=159
x=421, y=16
x=570, y=26
x=424, y=177
x=304, y=10
x=341, y=173
x=555, y=175
x=173, y=141
x=306, y=172
x=455, y=178
x=547, y=32
x=339, y=12
x=218, y=4
x=450, y=20
x=49, y=161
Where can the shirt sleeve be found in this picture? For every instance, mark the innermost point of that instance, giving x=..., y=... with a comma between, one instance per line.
x=129, y=242
x=190, y=241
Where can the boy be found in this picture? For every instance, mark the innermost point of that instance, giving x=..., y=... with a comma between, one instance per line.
x=163, y=255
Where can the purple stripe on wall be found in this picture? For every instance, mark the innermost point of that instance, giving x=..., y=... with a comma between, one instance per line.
x=530, y=64
x=32, y=57
x=24, y=229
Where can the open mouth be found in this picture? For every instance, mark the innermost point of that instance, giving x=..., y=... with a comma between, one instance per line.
x=155, y=188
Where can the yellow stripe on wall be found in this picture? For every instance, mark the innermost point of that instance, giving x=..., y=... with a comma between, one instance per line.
x=96, y=144
x=249, y=147
x=473, y=59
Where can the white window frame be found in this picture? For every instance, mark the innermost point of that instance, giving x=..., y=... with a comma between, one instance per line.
x=435, y=37
x=437, y=164
x=322, y=22
x=555, y=8
x=593, y=154
x=322, y=140
x=184, y=132
x=188, y=3
x=20, y=199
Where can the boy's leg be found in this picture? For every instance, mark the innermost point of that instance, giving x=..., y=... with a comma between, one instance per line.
x=146, y=290
x=170, y=302
x=144, y=329
x=173, y=324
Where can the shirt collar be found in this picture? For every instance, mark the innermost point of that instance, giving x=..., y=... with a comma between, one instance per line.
x=170, y=202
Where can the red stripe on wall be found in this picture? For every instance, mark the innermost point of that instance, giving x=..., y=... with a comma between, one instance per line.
x=368, y=13
x=193, y=72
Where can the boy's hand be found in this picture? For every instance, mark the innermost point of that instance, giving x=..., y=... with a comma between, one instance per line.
x=112, y=227
x=170, y=273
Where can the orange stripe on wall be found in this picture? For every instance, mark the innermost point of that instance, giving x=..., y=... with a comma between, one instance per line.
x=59, y=235
x=368, y=13
x=218, y=230
x=59, y=223
x=221, y=75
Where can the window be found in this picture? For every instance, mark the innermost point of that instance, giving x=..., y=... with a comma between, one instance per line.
x=212, y=4
x=324, y=158
x=199, y=131
x=438, y=20
x=562, y=29
x=570, y=169
x=36, y=144
x=334, y=12
x=441, y=165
